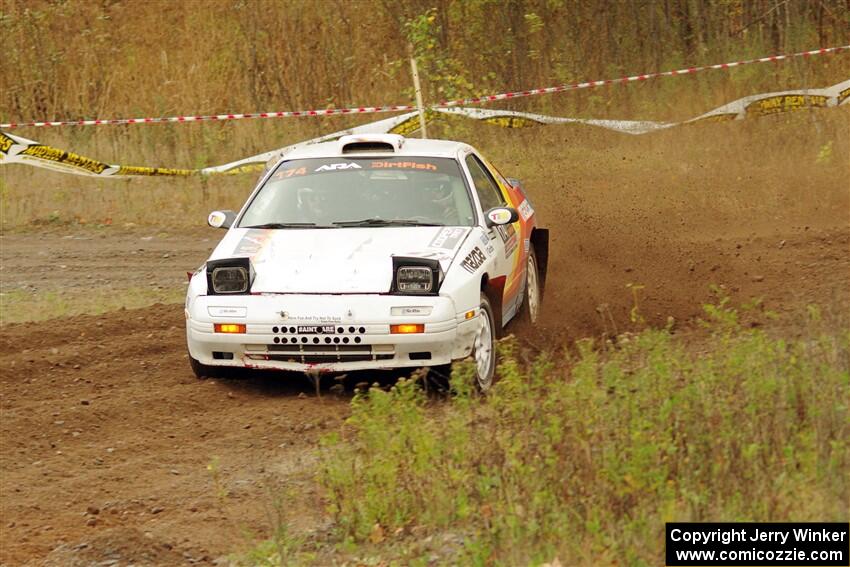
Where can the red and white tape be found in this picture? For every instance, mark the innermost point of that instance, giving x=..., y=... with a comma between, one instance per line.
x=216, y=117
x=633, y=78
x=408, y=107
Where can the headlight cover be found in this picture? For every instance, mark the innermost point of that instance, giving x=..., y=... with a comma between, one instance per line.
x=230, y=279
x=414, y=279
x=229, y=276
x=416, y=276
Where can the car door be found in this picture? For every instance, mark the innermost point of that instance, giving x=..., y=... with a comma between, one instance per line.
x=503, y=239
x=517, y=245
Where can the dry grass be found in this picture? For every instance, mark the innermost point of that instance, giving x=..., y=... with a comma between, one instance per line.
x=772, y=167
x=21, y=306
x=782, y=169
x=209, y=56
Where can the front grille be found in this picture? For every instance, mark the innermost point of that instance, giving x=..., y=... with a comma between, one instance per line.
x=318, y=358
x=320, y=348
x=310, y=353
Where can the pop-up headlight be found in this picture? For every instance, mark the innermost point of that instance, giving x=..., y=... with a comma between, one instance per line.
x=414, y=279
x=415, y=276
x=229, y=276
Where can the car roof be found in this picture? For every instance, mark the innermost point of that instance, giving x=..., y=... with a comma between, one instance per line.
x=411, y=147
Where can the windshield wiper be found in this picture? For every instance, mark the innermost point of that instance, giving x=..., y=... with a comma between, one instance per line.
x=385, y=222
x=287, y=225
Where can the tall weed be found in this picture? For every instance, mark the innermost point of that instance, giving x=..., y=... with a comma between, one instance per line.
x=586, y=464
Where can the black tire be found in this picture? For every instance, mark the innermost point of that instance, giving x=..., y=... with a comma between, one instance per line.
x=202, y=371
x=439, y=377
x=529, y=311
x=485, y=346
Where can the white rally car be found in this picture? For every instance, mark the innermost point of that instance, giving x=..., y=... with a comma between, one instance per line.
x=369, y=252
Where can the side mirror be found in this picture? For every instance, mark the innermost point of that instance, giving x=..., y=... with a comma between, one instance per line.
x=514, y=182
x=221, y=219
x=499, y=216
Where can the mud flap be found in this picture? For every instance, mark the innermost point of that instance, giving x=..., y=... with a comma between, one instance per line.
x=495, y=291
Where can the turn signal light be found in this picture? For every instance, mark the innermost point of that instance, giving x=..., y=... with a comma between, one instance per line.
x=406, y=329
x=229, y=328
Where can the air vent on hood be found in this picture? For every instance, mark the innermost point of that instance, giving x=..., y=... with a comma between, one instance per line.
x=371, y=143
x=368, y=147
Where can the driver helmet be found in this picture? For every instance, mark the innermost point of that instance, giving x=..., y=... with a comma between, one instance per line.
x=313, y=203
x=437, y=200
x=441, y=193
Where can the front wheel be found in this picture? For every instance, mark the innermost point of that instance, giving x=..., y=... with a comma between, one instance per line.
x=483, y=353
x=484, y=347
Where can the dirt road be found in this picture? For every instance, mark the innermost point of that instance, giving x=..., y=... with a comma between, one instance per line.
x=111, y=446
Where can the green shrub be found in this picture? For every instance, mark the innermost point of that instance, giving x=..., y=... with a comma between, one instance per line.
x=584, y=459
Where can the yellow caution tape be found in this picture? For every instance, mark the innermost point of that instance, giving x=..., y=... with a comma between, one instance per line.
x=14, y=149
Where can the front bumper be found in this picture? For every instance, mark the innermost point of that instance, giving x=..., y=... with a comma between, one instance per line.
x=352, y=331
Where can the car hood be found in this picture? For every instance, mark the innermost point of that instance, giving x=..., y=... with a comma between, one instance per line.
x=339, y=260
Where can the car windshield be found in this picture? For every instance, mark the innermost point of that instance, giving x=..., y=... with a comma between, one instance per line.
x=355, y=192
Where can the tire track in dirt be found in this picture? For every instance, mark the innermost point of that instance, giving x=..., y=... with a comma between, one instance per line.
x=106, y=431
